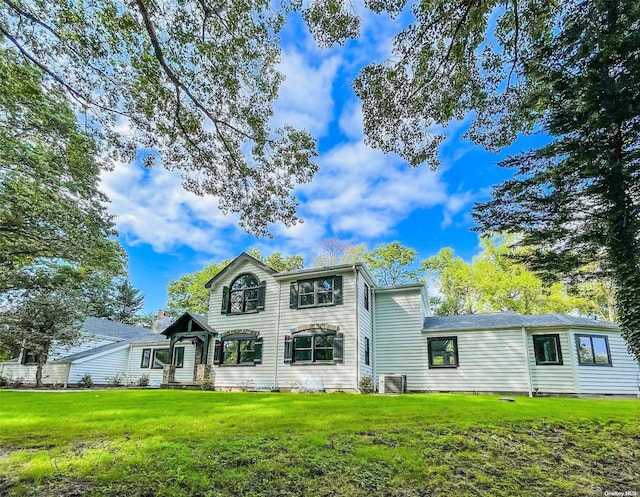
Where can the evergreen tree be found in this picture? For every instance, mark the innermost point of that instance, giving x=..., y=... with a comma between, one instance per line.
x=576, y=200
x=128, y=301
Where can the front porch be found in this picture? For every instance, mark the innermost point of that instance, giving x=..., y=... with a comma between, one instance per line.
x=195, y=330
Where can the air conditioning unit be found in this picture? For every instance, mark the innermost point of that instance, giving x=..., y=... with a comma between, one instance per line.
x=392, y=383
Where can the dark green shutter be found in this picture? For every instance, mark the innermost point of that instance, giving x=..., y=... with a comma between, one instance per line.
x=338, y=347
x=337, y=290
x=225, y=300
x=293, y=295
x=257, y=351
x=217, y=353
x=288, y=348
x=262, y=290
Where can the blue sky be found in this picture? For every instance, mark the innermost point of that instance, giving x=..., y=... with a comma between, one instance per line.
x=360, y=195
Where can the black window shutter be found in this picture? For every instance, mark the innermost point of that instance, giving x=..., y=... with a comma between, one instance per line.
x=288, y=348
x=262, y=290
x=293, y=295
x=217, y=354
x=257, y=351
x=225, y=300
x=337, y=290
x=338, y=347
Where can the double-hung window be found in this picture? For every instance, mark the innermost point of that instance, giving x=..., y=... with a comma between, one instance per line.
x=318, y=346
x=316, y=292
x=366, y=296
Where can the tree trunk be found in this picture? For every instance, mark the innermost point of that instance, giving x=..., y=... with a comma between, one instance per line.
x=39, y=373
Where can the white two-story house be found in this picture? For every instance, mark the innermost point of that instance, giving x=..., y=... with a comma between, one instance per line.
x=308, y=328
x=327, y=328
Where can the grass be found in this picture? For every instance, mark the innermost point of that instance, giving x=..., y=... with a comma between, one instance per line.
x=191, y=443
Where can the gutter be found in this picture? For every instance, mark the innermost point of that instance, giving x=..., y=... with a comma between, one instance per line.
x=515, y=327
x=355, y=272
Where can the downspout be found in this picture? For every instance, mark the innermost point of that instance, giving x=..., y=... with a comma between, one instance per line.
x=355, y=271
x=275, y=370
x=128, y=371
x=528, y=360
x=374, y=361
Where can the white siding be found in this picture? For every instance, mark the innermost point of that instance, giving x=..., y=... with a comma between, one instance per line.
x=366, y=325
x=51, y=373
x=103, y=368
x=489, y=361
x=340, y=376
x=553, y=378
x=135, y=359
x=399, y=345
x=621, y=378
x=186, y=373
x=265, y=322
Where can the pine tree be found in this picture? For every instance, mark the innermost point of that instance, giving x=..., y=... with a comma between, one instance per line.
x=577, y=199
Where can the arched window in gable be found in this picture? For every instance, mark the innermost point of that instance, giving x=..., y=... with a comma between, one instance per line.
x=246, y=294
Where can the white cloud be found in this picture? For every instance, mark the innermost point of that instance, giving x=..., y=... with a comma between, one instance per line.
x=454, y=204
x=351, y=120
x=151, y=206
x=305, y=99
x=359, y=193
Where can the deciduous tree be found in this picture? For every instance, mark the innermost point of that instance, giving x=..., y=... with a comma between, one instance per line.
x=496, y=281
x=193, y=80
x=393, y=264
x=50, y=204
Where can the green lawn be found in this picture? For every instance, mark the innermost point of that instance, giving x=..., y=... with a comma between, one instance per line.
x=175, y=443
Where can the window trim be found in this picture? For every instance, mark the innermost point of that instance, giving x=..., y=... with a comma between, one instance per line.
x=366, y=296
x=174, y=359
x=560, y=361
x=430, y=340
x=313, y=335
x=239, y=336
x=577, y=337
x=244, y=292
x=316, y=292
x=153, y=357
x=146, y=354
x=237, y=342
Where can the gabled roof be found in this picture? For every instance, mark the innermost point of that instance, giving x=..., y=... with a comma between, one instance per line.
x=511, y=320
x=243, y=257
x=91, y=352
x=201, y=321
x=326, y=270
x=107, y=328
